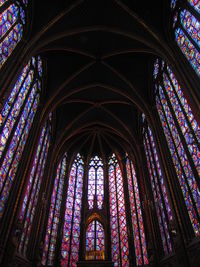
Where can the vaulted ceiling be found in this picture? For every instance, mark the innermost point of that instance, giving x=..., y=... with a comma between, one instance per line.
x=99, y=57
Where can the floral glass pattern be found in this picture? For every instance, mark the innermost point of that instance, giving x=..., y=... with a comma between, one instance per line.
x=12, y=23
x=118, y=224
x=95, y=182
x=182, y=133
x=54, y=213
x=30, y=201
x=136, y=216
x=16, y=118
x=71, y=229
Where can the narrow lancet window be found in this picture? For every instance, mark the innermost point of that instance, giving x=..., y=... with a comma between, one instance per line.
x=12, y=23
x=136, y=215
x=71, y=229
x=161, y=201
x=95, y=183
x=118, y=224
x=187, y=27
x=54, y=213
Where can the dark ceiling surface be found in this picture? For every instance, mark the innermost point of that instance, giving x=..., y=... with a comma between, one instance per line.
x=99, y=56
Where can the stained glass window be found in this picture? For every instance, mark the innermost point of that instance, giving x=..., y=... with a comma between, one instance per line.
x=187, y=29
x=12, y=23
x=95, y=241
x=71, y=229
x=183, y=134
x=161, y=201
x=16, y=118
x=95, y=182
x=195, y=4
x=54, y=214
x=119, y=236
x=33, y=187
x=136, y=216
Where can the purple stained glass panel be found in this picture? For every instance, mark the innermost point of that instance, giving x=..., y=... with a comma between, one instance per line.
x=119, y=237
x=2, y=2
x=191, y=25
x=195, y=4
x=16, y=118
x=12, y=20
x=180, y=160
x=90, y=237
x=188, y=49
x=33, y=187
x=136, y=215
x=95, y=182
x=71, y=229
x=95, y=241
x=54, y=214
x=91, y=187
x=182, y=131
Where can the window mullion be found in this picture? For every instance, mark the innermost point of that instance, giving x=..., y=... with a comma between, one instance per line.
x=95, y=236
x=95, y=195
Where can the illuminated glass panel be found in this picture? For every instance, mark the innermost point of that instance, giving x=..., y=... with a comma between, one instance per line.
x=95, y=182
x=12, y=21
x=91, y=187
x=119, y=237
x=2, y=2
x=71, y=230
x=16, y=118
x=54, y=214
x=161, y=201
x=191, y=25
x=95, y=241
x=188, y=49
x=136, y=215
x=33, y=187
x=182, y=133
x=195, y=4
x=187, y=33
